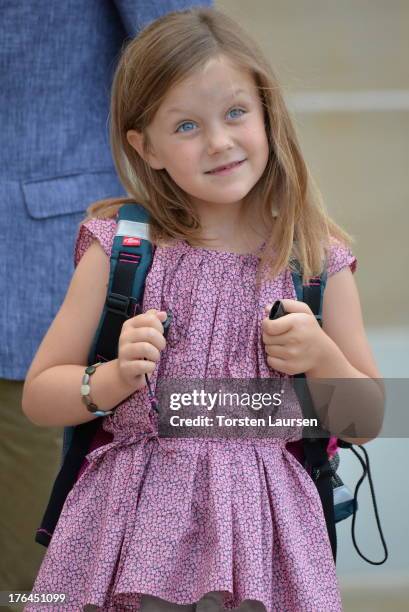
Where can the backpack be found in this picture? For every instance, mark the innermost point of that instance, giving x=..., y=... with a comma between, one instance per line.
x=130, y=261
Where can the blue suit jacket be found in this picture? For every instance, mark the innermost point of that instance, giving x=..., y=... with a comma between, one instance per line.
x=56, y=65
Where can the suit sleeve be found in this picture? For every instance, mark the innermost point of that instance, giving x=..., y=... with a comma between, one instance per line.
x=136, y=14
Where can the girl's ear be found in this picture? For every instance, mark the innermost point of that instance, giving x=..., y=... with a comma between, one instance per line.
x=136, y=140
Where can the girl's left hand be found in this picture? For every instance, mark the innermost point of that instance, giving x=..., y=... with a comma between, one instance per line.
x=294, y=343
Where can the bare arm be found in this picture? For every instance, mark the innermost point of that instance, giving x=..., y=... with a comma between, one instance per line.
x=359, y=398
x=51, y=393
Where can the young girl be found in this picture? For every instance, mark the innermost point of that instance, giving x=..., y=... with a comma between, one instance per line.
x=201, y=137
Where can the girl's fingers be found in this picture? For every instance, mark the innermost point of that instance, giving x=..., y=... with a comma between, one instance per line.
x=278, y=326
x=138, y=367
x=151, y=318
x=280, y=340
x=277, y=364
x=277, y=352
x=141, y=350
x=146, y=334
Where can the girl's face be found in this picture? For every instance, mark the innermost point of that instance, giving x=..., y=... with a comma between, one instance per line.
x=210, y=119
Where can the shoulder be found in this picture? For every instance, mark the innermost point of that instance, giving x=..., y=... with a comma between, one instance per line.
x=102, y=230
x=341, y=292
x=339, y=256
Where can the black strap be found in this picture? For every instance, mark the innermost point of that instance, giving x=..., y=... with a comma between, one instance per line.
x=315, y=448
x=312, y=296
x=366, y=471
x=66, y=478
x=316, y=457
x=119, y=307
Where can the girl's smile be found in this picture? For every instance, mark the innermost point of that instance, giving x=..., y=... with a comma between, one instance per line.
x=229, y=169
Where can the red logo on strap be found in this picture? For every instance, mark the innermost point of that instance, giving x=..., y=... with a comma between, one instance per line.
x=131, y=241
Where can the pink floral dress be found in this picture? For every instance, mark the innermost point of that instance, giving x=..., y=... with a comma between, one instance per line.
x=178, y=518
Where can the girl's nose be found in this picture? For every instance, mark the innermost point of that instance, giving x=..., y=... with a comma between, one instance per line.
x=218, y=140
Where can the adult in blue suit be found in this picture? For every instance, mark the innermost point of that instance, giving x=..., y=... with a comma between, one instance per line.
x=56, y=64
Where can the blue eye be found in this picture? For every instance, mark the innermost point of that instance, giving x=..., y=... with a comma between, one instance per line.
x=237, y=109
x=182, y=124
x=179, y=130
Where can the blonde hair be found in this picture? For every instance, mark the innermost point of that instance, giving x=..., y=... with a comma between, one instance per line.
x=166, y=52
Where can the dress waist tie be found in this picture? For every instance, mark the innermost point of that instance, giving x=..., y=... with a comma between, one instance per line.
x=126, y=440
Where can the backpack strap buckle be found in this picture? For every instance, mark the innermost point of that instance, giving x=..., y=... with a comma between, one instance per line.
x=117, y=304
x=122, y=305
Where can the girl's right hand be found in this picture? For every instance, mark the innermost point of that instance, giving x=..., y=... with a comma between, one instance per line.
x=139, y=347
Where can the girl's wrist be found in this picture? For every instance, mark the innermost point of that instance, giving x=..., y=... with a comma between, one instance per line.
x=108, y=389
x=124, y=384
x=330, y=360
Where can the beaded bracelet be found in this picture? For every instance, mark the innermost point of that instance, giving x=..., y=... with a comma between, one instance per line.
x=85, y=390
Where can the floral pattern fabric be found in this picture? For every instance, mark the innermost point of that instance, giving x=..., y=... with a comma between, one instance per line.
x=178, y=518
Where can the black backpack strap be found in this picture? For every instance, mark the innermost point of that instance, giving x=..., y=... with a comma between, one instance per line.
x=130, y=261
x=65, y=480
x=131, y=258
x=315, y=449
x=316, y=456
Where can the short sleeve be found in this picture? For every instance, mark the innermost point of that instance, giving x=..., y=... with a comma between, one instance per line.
x=339, y=257
x=102, y=230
